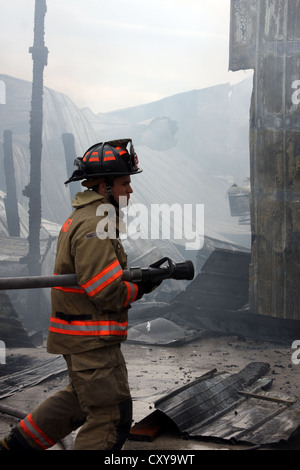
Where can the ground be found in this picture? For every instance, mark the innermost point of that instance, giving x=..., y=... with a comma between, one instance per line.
x=155, y=370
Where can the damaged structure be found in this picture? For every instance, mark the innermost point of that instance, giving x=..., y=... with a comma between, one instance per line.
x=229, y=407
x=265, y=37
x=257, y=293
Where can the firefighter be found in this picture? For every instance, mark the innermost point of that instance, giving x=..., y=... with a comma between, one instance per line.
x=89, y=321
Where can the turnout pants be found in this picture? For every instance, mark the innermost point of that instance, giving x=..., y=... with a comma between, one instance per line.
x=97, y=400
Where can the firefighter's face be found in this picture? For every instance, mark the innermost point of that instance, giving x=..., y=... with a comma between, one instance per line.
x=122, y=187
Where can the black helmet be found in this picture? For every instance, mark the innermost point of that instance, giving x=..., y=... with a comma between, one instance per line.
x=106, y=159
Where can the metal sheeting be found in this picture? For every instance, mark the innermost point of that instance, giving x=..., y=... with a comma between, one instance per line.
x=217, y=300
x=223, y=282
x=232, y=407
x=12, y=330
x=23, y=371
x=161, y=332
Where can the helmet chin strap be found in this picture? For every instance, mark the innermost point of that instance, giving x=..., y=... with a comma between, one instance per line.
x=109, y=192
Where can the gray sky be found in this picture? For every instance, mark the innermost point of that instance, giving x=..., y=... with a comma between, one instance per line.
x=113, y=54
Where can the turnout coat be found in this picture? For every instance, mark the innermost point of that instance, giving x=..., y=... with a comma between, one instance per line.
x=93, y=313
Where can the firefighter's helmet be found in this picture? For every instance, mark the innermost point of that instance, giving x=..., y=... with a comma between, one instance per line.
x=108, y=159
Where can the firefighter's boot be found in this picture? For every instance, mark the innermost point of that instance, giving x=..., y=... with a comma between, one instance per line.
x=14, y=441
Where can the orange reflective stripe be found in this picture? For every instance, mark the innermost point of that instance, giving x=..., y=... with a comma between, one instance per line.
x=107, y=159
x=98, y=282
x=33, y=431
x=103, y=279
x=94, y=157
x=88, y=328
x=132, y=291
x=122, y=151
x=74, y=290
x=66, y=225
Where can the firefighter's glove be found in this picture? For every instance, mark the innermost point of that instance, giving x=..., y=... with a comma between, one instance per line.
x=148, y=287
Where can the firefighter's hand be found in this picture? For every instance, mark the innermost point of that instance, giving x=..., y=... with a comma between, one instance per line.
x=148, y=287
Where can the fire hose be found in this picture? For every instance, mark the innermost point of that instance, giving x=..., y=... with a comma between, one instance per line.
x=156, y=272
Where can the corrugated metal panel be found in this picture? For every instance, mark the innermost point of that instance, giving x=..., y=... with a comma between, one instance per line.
x=223, y=282
x=232, y=407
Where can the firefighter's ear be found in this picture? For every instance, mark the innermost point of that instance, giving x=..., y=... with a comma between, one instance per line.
x=102, y=188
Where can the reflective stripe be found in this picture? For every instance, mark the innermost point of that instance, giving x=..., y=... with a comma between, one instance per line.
x=108, y=159
x=88, y=328
x=98, y=282
x=33, y=431
x=103, y=279
x=66, y=225
x=122, y=151
x=74, y=289
x=132, y=291
x=110, y=156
